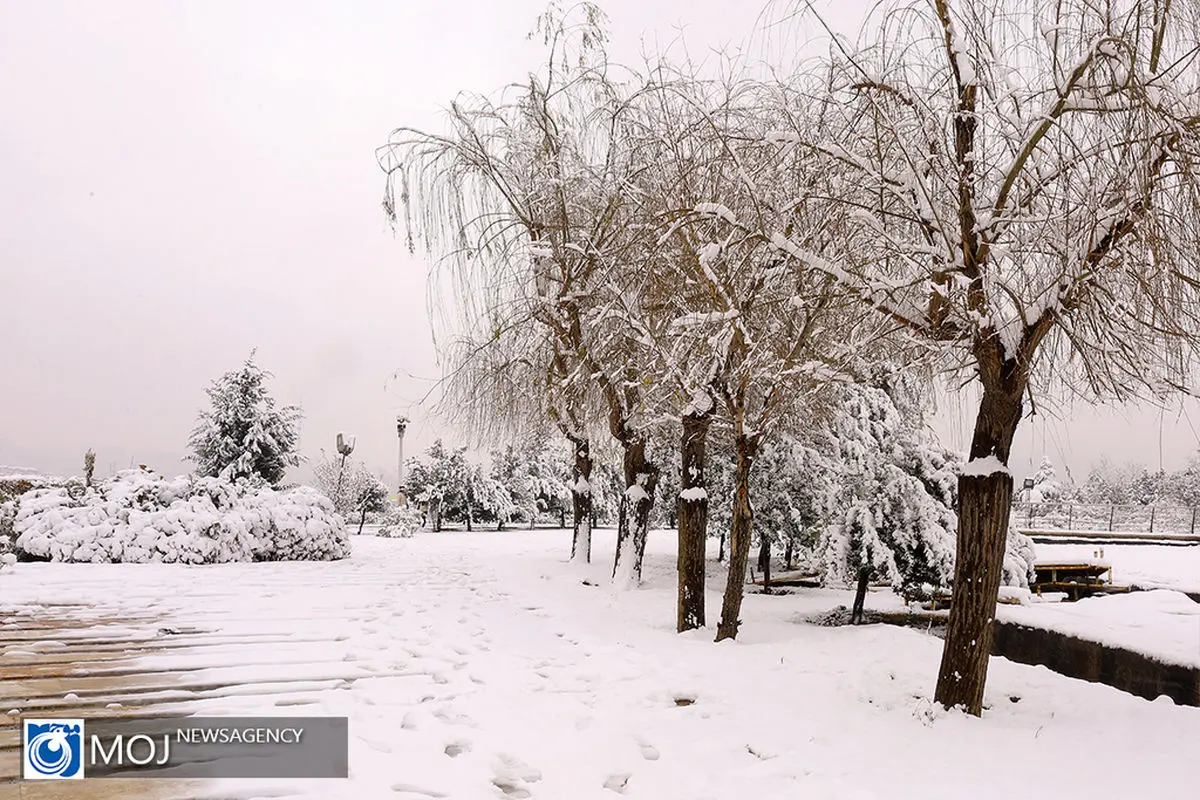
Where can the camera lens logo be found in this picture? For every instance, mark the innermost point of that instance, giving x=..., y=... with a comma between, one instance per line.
x=53, y=749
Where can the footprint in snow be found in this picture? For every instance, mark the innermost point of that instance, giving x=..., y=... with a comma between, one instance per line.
x=512, y=775
x=457, y=748
x=451, y=717
x=617, y=782
x=649, y=751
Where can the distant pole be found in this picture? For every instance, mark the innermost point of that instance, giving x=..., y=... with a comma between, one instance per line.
x=401, y=425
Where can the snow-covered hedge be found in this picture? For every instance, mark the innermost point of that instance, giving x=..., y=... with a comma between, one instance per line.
x=400, y=522
x=139, y=516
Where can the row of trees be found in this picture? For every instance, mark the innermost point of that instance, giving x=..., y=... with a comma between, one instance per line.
x=1131, y=484
x=1119, y=484
x=1005, y=192
x=865, y=493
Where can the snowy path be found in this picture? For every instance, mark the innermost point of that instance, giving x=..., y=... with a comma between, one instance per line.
x=480, y=666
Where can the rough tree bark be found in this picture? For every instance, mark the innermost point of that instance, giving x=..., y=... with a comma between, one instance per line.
x=860, y=596
x=581, y=502
x=985, y=498
x=721, y=548
x=740, y=532
x=692, y=518
x=641, y=479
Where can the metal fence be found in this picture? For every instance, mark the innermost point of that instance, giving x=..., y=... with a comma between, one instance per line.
x=1113, y=518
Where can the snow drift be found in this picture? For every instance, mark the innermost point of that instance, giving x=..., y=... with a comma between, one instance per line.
x=139, y=516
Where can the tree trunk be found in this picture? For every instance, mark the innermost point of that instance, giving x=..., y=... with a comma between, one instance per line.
x=362, y=521
x=985, y=500
x=435, y=513
x=764, y=560
x=641, y=479
x=721, y=547
x=860, y=596
x=787, y=553
x=581, y=503
x=740, y=532
x=692, y=517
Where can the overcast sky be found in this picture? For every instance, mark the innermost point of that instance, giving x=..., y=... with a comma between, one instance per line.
x=183, y=182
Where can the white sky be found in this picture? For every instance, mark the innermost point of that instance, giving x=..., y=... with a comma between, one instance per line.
x=183, y=182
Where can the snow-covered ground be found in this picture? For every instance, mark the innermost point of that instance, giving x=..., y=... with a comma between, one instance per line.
x=482, y=666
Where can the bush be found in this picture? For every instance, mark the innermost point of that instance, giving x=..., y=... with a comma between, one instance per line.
x=8, y=515
x=1018, y=560
x=400, y=522
x=13, y=486
x=139, y=516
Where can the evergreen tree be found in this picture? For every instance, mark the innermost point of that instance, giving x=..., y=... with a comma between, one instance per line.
x=1046, y=486
x=243, y=435
x=897, y=490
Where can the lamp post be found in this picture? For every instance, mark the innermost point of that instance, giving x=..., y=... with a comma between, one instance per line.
x=401, y=424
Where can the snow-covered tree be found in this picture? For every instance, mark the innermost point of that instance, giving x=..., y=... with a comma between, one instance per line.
x=534, y=476
x=1013, y=183
x=243, y=434
x=370, y=495
x=896, y=489
x=793, y=484
x=353, y=488
x=1185, y=484
x=528, y=201
x=1106, y=483
x=1046, y=486
x=440, y=479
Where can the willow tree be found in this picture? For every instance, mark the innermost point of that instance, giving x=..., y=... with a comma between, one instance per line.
x=505, y=387
x=1015, y=183
x=525, y=201
x=754, y=341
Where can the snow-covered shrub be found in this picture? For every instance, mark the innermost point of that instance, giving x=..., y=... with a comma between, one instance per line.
x=8, y=515
x=1018, y=560
x=400, y=522
x=139, y=516
x=299, y=525
x=13, y=485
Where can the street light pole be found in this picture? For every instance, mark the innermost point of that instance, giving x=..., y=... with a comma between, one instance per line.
x=401, y=425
